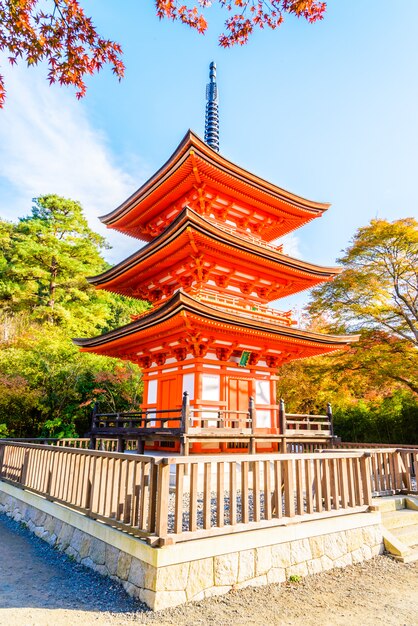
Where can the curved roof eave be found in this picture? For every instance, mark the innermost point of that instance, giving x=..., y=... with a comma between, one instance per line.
x=191, y=140
x=189, y=217
x=181, y=301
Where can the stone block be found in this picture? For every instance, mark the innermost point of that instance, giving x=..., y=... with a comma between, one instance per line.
x=101, y=569
x=39, y=518
x=49, y=524
x=77, y=539
x=201, y=577
x=226, y=569
x=58, y=527
x=39, y=531
x=72, y=553
x=314, y=566
x=335, y=546
x=197, y=598
x=150, y=576
x=131, y=589
x=379, y=549
x=65, y=536
x=327, y=563
x=97, y=551
x=368, y=535
x=112, y=556
x=276, y=575
x=354, y=539
x=246, y=565
x=147, y=596
x=167, y=599
x=300, y=551
x=136, y=573
x=258, y=581
x=87, y=562
x=85, y=545
x=280, y=555
x=367, y=552
x=357, y=556
x=317, y=546
x=124, y=566
x=343, y=561
x=263, y=560
x=299, y=569
x=172, y=577
x=217, y=591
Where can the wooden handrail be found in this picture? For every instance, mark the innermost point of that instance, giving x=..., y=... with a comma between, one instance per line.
x=233, y=492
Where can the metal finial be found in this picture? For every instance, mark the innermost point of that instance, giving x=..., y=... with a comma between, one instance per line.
x=212, y=113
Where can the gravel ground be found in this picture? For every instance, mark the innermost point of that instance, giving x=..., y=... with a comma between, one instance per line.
x=41, y=587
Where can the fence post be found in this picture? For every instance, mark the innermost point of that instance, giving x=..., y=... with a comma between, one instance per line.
x=366, y=478
x=252, y=417
x=185, y=413
x=283, y=425
x=330, y=419
x=185, y=422
x=92, y=443
x=2, y=449
x=162, y=500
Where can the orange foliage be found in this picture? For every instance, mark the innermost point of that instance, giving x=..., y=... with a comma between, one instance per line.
x=245, y=15
x=63, y=36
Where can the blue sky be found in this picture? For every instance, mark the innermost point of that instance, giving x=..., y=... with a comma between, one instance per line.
x=327, y=111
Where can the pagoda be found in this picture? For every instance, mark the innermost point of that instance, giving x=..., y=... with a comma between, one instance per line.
x=209, y=269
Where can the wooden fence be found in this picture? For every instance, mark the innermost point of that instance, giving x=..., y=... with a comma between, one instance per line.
x=173, y=499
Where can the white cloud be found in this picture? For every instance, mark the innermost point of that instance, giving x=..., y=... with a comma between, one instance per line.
x=291, y=245
x=48, y=145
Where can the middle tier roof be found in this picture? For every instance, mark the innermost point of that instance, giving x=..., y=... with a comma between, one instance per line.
x=195, y=252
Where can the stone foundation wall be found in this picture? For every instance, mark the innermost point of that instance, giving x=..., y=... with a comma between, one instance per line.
x=172, y=575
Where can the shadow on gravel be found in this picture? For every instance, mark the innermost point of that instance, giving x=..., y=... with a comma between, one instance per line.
x=34, y=575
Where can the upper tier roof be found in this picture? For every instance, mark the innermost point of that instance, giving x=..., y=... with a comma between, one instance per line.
x=197, y=176
x=192, y=242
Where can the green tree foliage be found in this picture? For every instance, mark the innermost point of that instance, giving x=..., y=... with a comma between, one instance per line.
x=47, y=386
x=379, y=286
x=373, y=386
x=43, y=267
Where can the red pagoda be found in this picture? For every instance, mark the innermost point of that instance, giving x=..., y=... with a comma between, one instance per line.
x=209, y=269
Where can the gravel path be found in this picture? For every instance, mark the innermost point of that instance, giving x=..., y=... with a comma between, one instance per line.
x=41, y=587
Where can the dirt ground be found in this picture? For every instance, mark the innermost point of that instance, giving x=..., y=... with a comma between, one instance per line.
x=40, y=587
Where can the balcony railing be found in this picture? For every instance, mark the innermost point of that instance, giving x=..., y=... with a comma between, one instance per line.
x=246, y=309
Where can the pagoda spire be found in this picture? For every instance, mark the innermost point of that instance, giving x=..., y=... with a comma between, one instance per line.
x=212, y=113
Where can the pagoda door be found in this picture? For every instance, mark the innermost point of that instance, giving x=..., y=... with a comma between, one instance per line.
x=238, y=394
x=168, y=398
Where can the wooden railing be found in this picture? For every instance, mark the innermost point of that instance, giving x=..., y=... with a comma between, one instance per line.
x=392, y=470
x=200, y=496
x=118, y=489
x=69, y=442
x=306, y=423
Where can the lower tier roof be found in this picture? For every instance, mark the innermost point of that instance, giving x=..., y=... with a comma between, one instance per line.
x=184, y=326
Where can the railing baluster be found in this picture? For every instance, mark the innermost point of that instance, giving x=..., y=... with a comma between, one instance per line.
x=220, y=494
x=178, y=512
x=193, y=497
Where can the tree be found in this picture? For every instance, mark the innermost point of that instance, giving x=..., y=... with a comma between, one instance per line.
x=246, y=15
x=61, y=35
x=378, y=288
x=48, y=387
x=373, y=386
x=44, y=262
x=66, y=39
